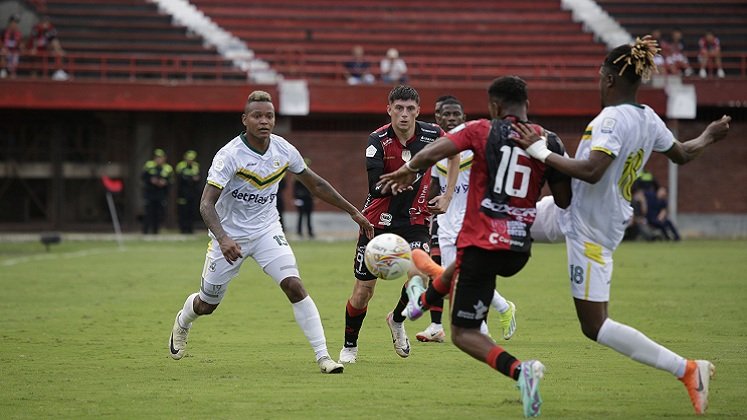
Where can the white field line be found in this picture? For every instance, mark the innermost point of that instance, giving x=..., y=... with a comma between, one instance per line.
x=63, y=256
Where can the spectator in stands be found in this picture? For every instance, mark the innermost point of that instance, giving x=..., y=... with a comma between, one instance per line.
x=44, y=41
x=393, y=68
x=674, y=54
x=659, y=60
x=657, y=214
x=188, y=190
x=10, y=51
x=304, y=202
x=157, y=177
x=357, y=69
x=710, y=54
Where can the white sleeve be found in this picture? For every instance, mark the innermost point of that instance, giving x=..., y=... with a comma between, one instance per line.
x=296, y=163
x=221, y=170
x=605, y=134
x=663, y=137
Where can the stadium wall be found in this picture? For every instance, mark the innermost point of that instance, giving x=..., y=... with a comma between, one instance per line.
x=54, y=147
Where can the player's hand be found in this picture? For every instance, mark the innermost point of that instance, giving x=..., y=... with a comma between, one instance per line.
x=365, y=225
x=718, y=129
x=526, y=135
x=230, y=249
x=439, y=204
x=397, y=181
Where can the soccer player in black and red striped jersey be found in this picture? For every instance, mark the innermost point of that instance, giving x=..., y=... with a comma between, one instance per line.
x=406, y=214
x=505, y=184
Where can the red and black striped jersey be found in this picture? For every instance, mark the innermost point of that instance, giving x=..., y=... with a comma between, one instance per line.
x=385, y=154
x=504, y=185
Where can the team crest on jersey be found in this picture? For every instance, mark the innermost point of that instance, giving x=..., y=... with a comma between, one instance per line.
x=608, y=124
x=385, y=219
x=276, y=163
x=406, y=155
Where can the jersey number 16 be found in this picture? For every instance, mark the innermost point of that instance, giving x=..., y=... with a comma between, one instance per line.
x=508, y=169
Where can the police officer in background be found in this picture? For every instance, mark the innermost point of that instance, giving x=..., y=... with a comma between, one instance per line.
x=157, y=177
x=188, y=182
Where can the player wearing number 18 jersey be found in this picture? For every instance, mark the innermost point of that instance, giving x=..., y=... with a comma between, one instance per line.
x=504, y=186
x=611, y=153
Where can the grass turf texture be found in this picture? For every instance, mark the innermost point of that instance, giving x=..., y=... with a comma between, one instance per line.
x=84, y=330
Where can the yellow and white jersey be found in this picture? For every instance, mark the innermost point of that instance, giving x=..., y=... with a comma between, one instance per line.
x=628, y=133
x=450, y=222
x=249, y=180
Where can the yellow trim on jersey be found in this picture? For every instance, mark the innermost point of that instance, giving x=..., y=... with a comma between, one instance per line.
x=603, y=150
x=215, y=184
x=587, y=134
x=593, y=252
x=262, y=182
x=588, y=280
x=463, y=165
x=210, y=245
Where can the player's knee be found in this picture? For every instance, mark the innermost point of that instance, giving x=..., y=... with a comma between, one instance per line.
x=457, y=336
x=362, y=294
x=293, y=288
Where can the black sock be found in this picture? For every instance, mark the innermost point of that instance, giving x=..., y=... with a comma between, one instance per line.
x=437, y=307
x=403, y=299
x=353, y=322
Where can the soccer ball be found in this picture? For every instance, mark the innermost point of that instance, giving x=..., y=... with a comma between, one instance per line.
x=387, y=256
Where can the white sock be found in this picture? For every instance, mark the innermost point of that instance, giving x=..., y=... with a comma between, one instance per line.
x=634, y=344
x=499, y=302
x=188, y=312
x=307, y=317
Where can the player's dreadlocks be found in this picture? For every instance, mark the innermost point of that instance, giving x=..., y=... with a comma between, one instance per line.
x=634, y=62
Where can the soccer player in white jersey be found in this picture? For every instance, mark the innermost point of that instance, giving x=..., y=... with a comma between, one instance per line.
x=614, y=148
x=238, y=207
x=450, y=114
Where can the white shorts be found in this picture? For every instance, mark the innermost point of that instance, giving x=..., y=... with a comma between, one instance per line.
x=447, y=244
x=271, y=251
x=590, y=270
x=546, y=226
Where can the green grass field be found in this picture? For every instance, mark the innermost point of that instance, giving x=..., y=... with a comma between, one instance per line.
x=84, y=330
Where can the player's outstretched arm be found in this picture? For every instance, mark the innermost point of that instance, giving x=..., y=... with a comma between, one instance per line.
x=404, y=177
x=322, y=189
x=682, y=153
x=230, y=249
x=589, y=170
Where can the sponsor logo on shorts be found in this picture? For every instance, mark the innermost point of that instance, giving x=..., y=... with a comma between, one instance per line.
x=479, y=313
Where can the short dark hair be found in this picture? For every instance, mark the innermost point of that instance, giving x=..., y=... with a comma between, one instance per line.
x=452, y=101
x=404, y=93
x=633, y=62
x=444, y=98
x=509, y=90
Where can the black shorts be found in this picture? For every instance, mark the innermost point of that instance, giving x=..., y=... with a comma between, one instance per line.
x=417, y=236
x=435, y=248
x=475, y=283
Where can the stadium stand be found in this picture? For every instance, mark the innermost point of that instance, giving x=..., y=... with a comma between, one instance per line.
x=312, y=39
x=129, y=39
x=727, y=18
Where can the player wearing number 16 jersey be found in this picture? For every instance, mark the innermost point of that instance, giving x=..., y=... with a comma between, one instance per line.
x=504, y=186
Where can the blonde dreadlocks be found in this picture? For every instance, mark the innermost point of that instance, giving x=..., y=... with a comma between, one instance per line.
x=635, y=61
